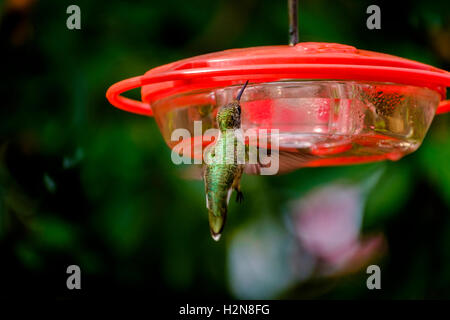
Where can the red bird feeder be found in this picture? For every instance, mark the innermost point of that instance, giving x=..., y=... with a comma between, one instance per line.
x=339, y=104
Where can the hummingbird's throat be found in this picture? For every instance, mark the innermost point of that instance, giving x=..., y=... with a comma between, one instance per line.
x=229, y=116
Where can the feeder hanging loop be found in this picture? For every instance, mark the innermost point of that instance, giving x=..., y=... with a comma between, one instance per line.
x=293, y=22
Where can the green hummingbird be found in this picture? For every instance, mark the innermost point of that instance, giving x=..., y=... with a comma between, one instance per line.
x=222, y=173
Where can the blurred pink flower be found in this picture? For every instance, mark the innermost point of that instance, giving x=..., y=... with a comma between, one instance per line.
x=327, y=223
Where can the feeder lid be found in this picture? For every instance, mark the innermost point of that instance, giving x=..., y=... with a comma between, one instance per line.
x=306, y=61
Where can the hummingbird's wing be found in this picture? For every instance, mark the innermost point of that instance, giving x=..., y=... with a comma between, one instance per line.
x=284, y=162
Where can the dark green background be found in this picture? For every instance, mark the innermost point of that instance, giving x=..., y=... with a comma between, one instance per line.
x=84, y=183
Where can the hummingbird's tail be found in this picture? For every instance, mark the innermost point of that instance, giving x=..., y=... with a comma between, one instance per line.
x=216, y=223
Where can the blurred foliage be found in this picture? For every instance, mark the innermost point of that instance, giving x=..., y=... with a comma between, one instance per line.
x=84, y=183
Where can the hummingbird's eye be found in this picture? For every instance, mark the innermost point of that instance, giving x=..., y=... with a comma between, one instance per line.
x=239, y=109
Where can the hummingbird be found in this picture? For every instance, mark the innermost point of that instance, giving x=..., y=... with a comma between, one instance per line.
x=222, y=173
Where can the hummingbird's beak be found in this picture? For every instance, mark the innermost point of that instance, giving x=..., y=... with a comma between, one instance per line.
x=238, y=98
